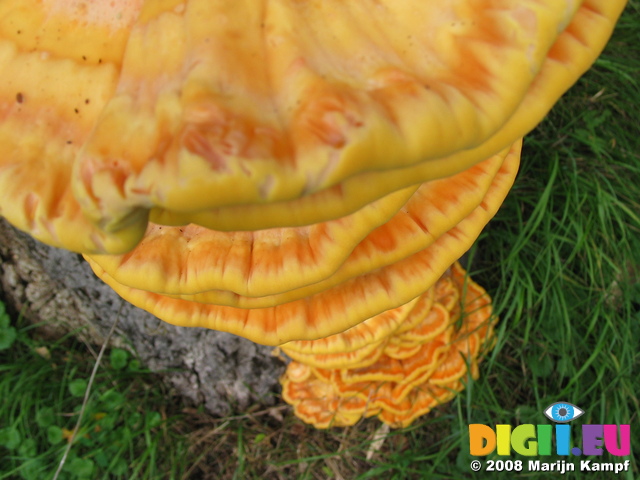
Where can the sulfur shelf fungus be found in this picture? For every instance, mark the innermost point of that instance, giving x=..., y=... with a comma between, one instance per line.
x=400, y=351
x=317, y=198
x=99, y=133
x=420, y=90
x=341, y=300
x=269, y=267
x=449, y=335
x=53, y=87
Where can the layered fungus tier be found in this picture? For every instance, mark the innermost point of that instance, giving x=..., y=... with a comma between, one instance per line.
x=302, y=174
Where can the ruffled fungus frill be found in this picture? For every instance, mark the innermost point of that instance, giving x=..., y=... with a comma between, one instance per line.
x=446, y=330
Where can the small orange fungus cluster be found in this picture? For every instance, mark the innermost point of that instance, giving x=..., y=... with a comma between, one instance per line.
x=282, y=172
x=409, y=367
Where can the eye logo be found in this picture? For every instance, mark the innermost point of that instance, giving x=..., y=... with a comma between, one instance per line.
x=562, y=412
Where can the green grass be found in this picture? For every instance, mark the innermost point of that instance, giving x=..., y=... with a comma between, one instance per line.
x=42, y=385
x=561, y=260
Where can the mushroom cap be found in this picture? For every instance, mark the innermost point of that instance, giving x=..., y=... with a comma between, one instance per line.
x=156, y=125
x=372, y=330
x=282, y=265
x=388, y=369
x=213, y=128
x=435, y=322
x=317, y=404
x=361, y=346
x=52, y=91
x=257, y=263
x=361, y=357
x=400, y=390
x=361, y=336
x=339, y=307
x=420, y=402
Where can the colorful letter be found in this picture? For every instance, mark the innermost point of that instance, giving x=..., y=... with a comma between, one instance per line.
x=611, y=440
x=504, y=439
x=478, y=434
x=523, y=440
x=563, y=438
x=544, y=439
x=592, y=436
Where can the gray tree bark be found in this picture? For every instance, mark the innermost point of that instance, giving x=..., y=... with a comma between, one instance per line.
x=224, y=372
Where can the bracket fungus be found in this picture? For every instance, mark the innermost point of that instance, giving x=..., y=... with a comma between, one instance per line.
x=285, y=172
x=368, y=286
x=450, y=324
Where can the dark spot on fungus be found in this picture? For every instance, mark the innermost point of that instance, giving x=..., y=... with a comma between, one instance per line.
x=83, y=57
x=19, y=97
x=69, y=142
x=76, y=110
x=86, y=101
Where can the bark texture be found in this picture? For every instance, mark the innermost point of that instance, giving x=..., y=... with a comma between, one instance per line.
x=224, y=372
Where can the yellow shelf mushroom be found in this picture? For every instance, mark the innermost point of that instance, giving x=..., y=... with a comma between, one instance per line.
x=335, y=306
x=327, y=393
x=284, y=264
x=99, y=132
x=287, y=171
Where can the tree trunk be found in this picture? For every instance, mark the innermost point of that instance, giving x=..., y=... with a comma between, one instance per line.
x=222, y=371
